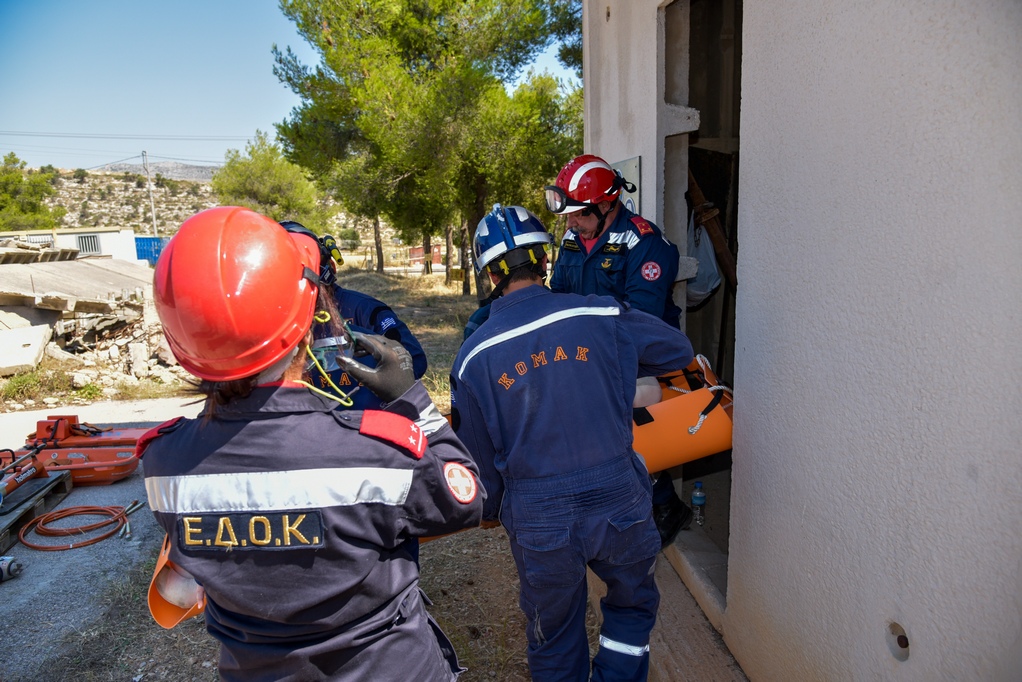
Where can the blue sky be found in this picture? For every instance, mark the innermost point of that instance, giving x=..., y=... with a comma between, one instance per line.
x=121, y=74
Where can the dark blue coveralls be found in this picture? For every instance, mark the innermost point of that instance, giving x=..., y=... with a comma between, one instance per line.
x=294, y=517
x=543, y=400
x=476, y=319
x=366, y=314
x=633, y=262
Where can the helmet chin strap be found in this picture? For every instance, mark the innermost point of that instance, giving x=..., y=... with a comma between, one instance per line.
x=602, y=216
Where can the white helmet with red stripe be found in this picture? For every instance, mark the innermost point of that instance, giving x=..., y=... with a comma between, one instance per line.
x=584, y=182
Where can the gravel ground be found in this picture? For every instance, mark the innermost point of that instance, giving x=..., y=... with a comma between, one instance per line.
x=59, y=593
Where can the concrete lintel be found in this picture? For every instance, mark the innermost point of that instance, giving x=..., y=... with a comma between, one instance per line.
x=53, y=300
x=676, y=119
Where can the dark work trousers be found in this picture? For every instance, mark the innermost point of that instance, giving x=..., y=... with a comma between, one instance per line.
x=599, y=517
x=663, y=488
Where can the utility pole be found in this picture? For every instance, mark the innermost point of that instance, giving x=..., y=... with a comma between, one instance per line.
x=149, y=184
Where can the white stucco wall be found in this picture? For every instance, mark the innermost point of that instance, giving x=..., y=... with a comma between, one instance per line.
x=625, y=117
x=877, y=461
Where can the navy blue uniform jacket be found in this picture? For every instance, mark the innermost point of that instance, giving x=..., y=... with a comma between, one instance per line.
x=545, y=387
x=631, y=261
x=294, y=517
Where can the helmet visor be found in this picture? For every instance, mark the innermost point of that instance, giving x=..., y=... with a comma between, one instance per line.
x=558, y=201
x=328, y=350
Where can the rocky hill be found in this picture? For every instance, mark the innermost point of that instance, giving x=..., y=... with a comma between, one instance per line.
x=121, y=199
x=168, y=169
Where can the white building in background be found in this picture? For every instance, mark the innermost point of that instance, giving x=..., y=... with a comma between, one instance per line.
x=876, y=488
x=107, y=242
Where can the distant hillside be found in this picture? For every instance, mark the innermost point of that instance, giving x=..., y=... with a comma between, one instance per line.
x=121, y=199
x=168, y=169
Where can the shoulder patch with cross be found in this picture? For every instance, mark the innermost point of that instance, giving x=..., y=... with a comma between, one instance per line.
x=460, y=482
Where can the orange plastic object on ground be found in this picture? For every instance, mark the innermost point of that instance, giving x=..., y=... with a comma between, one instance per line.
x=93, y=456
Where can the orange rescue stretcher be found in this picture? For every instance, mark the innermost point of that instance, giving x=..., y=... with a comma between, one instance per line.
x=691, y=421
x=94, y=456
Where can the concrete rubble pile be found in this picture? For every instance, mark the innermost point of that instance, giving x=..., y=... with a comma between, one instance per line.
x=100, y=324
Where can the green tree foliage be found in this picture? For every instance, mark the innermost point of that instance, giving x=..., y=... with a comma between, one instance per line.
x=80, y=175
x=566, y=27
x=388, y=111
x=22, y=197
x=263, y=180
x=52, y=172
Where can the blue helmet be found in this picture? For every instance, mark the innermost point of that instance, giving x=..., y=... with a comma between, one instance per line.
x=503, y=230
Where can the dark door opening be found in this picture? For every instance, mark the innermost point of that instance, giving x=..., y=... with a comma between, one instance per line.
x=714, y=89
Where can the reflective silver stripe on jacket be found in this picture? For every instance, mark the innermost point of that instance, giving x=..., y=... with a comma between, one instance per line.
x=628, y=238
x=278, y=490
x=430, y=420
x=623, y=648
x=534, y=325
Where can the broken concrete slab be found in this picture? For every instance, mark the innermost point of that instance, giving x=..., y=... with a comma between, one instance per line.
x=75, y=285
x=22, y=349
x=16, y=317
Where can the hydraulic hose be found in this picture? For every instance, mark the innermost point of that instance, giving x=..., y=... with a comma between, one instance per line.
x=117, y=518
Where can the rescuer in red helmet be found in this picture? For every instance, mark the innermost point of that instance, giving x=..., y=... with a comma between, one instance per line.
x=610, y=251
x=290, y=519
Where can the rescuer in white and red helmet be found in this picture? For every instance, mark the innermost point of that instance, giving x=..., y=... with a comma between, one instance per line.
x=609, y=250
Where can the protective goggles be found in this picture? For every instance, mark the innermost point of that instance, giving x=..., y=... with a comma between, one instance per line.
x=327, y=351
x=558, y=201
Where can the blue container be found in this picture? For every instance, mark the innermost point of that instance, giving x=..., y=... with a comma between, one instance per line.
x=149, y=248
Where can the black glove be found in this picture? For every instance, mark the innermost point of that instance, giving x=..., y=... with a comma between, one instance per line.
x=393, y=374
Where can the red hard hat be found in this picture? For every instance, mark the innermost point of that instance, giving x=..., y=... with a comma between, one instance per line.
x=587, y=180
x=235, y=292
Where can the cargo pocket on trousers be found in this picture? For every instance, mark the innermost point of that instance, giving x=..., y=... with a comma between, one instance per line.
x=549, y=557
x=631, y=535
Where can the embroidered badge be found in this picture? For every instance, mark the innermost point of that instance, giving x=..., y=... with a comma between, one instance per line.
x=642, y=226
x=394, y=429
x=612, y=248
x=606, y=263
x=570, y=245
x=461, y=482
x=247, y=530
x=650, y=271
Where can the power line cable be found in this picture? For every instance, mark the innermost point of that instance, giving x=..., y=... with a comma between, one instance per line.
x=99, y=136
x=68, y=151
x=173, y=158
x=110, y=163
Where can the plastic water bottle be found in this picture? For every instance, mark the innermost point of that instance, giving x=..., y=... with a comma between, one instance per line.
x=698, y=503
